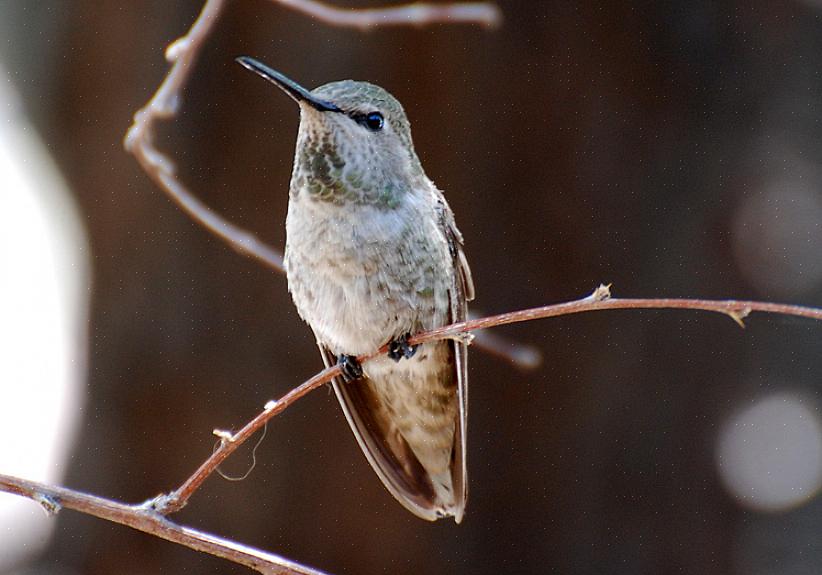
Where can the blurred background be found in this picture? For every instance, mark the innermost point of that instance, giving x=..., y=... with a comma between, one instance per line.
x=672, y=149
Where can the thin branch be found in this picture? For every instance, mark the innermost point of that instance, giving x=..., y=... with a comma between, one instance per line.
x=148, y=517
x=139, y=140
x=176, y=500
x=737, y=310
x=600, y=299
x=416, y=14
x=52, y=499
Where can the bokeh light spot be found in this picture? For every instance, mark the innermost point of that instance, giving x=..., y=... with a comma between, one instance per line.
x=769, y=454
x=777, y=237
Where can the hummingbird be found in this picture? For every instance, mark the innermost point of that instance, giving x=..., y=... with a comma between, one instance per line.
x=373, y=256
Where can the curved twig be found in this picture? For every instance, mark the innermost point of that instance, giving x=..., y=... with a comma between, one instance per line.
x=139, y=140
x=52, y=499
x=737, y=310
x=416, y=14
x=600, y=299
x=148, y=517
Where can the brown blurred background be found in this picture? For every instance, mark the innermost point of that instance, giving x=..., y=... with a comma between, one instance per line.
x=672, y=149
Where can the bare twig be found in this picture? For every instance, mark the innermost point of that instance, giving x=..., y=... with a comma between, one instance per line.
x=148, y=517
x=176, y=500
x=416, y=14
x=147, y=521
x=599, y=300
x=139, y=140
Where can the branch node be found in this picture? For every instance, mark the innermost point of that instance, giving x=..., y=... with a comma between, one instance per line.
x=163, y=504
x=224, y=436
x=271, y=405
x=48, y=503
x=135, y=131
x=738, y=315
x=177, y=48
x=602, y=293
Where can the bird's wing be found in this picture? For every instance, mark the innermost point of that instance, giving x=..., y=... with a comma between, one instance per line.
x=387, y=451
x=461, y=292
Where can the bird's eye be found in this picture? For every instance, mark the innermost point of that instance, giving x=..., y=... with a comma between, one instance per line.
x=374, y=121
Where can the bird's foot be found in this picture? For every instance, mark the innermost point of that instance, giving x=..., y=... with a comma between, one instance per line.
x=351, y=368
x=399, y=348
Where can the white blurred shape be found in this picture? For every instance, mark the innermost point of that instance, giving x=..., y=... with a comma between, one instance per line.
x=43, y=306
x=777, y=234
x=769, y=453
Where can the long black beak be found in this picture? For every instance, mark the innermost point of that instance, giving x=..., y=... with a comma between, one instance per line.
x=287, y=85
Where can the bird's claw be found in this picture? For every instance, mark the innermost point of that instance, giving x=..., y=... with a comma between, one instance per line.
x=351, y=368
x=399, y=348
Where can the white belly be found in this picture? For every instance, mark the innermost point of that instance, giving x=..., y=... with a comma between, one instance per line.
x=361, y=277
